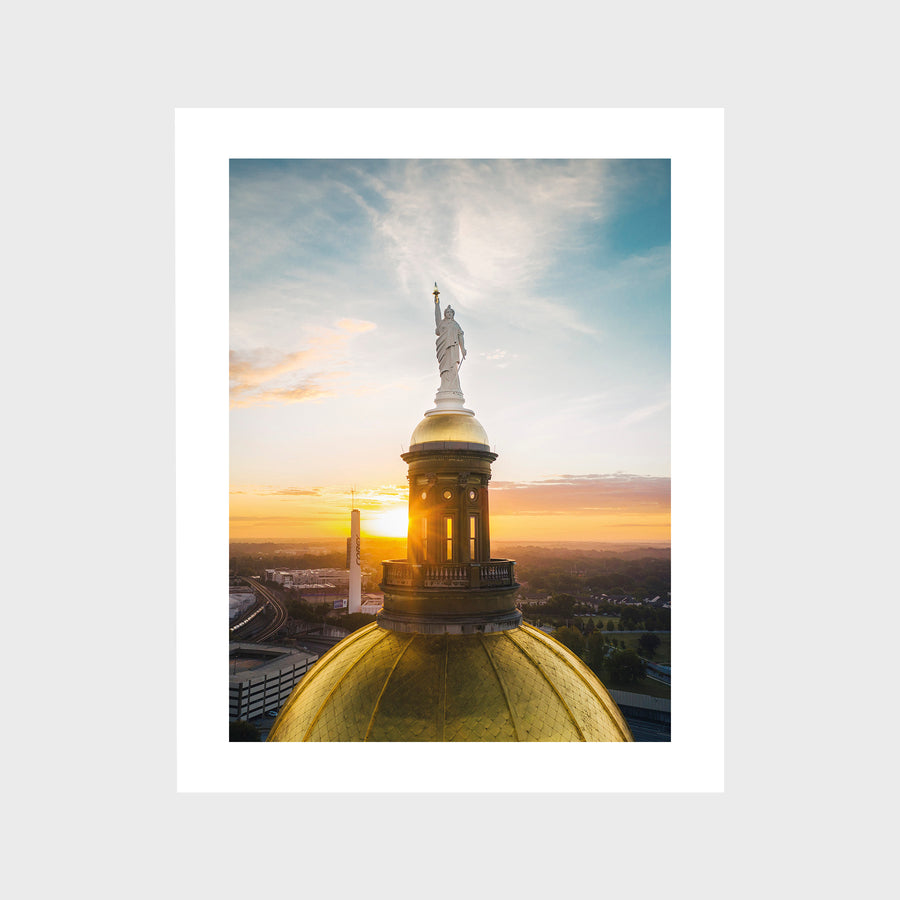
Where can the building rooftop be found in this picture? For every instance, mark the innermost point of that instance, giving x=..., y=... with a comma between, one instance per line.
x=256, y=661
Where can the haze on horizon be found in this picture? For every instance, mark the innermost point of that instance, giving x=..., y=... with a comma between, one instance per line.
x=560, y=277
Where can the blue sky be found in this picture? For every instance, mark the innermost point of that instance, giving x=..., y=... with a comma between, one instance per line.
x=559, y=272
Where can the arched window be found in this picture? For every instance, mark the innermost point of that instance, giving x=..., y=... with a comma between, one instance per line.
x=448, y=538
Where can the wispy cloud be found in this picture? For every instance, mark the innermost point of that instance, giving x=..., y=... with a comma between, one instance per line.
x=266, y=376
x=294, y=492
x=501, y=358
x=288, y=522
x=376, y=498
x=372, y=497
x=253, y=369
x=645, y=412
x=581, y=494
x=355, y=326
x=488, y=230
x=307, y=389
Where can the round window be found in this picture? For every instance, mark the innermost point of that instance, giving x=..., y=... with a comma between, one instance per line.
x=473, y=495
x=424, y=495
x=448, y=495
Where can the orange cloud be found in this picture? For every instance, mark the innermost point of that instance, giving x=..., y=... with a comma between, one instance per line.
x=582, y=495
x=616, y=507
x=356, y=326
x=266, y=376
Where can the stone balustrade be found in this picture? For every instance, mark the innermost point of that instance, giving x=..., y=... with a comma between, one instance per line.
x=494, y=573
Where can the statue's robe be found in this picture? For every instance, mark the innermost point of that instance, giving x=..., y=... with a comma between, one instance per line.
x=447, y=348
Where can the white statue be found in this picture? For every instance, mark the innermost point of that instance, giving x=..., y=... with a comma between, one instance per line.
x=449, y=345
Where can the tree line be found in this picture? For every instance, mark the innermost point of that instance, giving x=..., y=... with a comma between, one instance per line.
x=593, y=572
x=302, y=611
x=606, y=656
x=250, y=564
x=559, y=608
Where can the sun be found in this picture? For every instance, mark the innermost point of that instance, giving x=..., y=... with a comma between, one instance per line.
x=390, y=523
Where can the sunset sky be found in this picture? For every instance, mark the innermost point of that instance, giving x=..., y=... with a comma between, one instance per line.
x=559, y=273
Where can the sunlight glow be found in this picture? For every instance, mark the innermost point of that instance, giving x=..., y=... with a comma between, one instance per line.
x=390, y=523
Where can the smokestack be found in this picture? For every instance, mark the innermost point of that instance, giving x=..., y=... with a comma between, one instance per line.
x=355, y=602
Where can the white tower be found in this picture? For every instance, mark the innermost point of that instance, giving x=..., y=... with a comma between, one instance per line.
x=355, y=601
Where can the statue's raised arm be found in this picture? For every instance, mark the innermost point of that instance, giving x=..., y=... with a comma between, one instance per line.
x=448, y=346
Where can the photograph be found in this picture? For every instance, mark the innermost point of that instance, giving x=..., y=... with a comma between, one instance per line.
x=449, y=450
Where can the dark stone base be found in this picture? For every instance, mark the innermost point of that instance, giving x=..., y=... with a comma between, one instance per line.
x=436, y=624
x=450, y=603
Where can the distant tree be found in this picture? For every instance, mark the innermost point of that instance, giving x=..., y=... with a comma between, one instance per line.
x=625, y=667
x=242, y=731
x=571, y=637
x=596, y=647
x=298, y=608
x=354, y=621
x=562, y=605
x=648, y=643
x=657, y=619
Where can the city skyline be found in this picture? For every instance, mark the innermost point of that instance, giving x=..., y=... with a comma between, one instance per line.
x=559, y=273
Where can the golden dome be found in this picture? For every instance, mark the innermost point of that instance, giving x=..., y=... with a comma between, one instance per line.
x=515, y=685
x=449, y=427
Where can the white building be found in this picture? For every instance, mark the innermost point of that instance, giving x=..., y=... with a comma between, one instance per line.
x=309, y=579
x=371, y=603
x=240, y=599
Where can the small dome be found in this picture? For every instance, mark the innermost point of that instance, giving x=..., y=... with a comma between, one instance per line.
x=516, y=685
x=449, y=427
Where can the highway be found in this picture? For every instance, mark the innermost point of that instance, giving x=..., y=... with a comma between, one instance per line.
x=271, y=614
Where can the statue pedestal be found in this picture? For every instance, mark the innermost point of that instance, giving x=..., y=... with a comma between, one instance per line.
x=449, y=402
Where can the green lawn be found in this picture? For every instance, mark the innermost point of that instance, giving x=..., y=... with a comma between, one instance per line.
x=647, y=686
x=662, y=654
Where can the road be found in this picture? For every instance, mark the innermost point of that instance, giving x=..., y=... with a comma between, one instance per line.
x=268, y=622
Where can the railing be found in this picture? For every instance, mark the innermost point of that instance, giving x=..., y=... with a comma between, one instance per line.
x=445, y=576
x=494, y=573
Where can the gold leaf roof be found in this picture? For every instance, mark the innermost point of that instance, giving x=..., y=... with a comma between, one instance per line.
x=516, y=685
x=449, y=427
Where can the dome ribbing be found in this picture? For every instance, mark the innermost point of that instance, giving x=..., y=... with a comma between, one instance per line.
x=516, y=685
